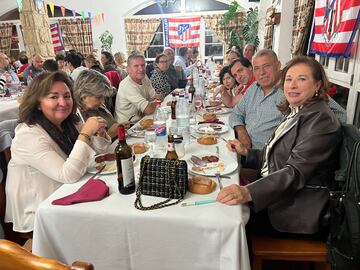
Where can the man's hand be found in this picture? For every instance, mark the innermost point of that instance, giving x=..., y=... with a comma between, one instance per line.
x=243, y=136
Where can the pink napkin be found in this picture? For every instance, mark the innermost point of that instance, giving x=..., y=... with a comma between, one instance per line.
x=92, y=190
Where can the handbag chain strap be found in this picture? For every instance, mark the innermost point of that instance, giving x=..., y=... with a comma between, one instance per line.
x=138, y=203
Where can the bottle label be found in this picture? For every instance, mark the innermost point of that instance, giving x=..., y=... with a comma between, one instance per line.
x=160, y=128
x=170, y=147
x=127, y=166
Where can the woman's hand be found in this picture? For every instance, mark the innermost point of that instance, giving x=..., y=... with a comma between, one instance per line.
x=234, y=194
x=237, y=146
x=95, y=126
x=220, y=89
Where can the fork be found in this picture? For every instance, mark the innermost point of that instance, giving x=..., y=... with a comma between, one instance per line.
x=217, y=174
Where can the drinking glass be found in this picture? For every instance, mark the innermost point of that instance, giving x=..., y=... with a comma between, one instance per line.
x=198, y=102
x=150, y=139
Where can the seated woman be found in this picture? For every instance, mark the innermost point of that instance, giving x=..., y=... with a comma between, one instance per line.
x=48, y=150
x=298, y=162
x=227, y=88
x=90, y=90
x=159, y=78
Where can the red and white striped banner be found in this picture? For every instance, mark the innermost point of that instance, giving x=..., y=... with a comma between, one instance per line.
x=334, y=27
x=184, y=32
x=55, y=36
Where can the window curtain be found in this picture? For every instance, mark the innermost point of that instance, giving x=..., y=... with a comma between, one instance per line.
x=301, y=25
x=139, y=33
x=77, y=34
x=269, y=29
x=5, y=37
x=213, y=21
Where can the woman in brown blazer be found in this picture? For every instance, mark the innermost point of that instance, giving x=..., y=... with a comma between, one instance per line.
x=297, y=164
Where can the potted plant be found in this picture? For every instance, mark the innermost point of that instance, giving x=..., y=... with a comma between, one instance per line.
x=106, y=40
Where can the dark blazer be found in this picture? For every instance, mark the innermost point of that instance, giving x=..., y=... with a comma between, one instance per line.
x=301, y=167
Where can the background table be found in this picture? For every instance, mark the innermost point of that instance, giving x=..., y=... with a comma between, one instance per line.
x=9, y=109
x=112, y=234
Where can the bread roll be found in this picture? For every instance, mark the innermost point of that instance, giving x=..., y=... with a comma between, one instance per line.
x=209, y=116
x=139, y=148
x=207, y=139
x=201, y=185
x=214, y=103
x=146, y=123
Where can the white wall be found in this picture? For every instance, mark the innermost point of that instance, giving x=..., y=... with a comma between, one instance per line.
x=115, y=12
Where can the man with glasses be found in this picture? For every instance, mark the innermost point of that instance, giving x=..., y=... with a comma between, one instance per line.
x=7, y=74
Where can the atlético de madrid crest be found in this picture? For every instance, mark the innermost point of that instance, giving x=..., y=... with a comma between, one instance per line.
x=332, y=19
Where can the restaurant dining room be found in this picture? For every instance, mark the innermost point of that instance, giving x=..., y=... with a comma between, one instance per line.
x=178, y=134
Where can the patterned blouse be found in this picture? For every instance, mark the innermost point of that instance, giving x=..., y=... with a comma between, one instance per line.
x=160, y=82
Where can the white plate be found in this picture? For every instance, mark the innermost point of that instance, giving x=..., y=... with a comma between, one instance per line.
x=229, y=164
x=211, y=128
x=109, y=168
x=221, y=110
x=136, y=131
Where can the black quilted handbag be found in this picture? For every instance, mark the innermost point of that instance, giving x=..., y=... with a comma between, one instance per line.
x=161, y=178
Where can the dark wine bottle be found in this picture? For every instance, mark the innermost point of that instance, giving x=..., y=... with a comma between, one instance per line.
x=171, y=154
x=125, y=165
x=191, y=90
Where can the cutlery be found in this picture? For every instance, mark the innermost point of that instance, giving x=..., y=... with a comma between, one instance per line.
x=131, y=117
x=198, y=203
x=98, y=172
x=217, y=174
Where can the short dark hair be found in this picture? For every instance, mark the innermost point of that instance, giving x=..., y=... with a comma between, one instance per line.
x=223, y=71
x=109, y=57
x=60, y=57
x=38, y=89
x=242, y=60
x=157, y=59
x=23, y=59
x=74, y=59
x=50, y=65
x=183, y=51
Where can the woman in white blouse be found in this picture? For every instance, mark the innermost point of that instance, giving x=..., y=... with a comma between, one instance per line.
x=49, y=147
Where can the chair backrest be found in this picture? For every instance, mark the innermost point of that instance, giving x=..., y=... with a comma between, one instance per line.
x=114, y=78
x=13, y=256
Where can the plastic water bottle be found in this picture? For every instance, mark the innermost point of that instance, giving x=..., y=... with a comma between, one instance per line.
x=183, y=117
x=160, y=118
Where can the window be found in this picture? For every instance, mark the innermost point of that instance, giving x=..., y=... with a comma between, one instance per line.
x=324, y=61
x=156, y=46
x=342, y=64
x=212, y=45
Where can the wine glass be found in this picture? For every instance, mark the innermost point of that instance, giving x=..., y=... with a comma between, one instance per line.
x=198, y=102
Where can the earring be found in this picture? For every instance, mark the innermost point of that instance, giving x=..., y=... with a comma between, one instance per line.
x=316, y=93
x=39, y=109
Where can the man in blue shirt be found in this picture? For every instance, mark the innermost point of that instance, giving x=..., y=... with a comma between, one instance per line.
x=34, y=69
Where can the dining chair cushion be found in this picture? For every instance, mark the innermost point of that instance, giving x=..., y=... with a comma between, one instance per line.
x=92, y=190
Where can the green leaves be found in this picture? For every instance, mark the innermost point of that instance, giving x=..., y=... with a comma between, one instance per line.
x=250, y=29
x=106, y=40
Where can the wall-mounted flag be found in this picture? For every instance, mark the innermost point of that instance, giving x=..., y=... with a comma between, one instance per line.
x=181, y=32
x=55, y=37
x=335, y=25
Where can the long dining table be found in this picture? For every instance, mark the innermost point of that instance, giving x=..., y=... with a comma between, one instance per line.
x=9, y=109
x=112, y=234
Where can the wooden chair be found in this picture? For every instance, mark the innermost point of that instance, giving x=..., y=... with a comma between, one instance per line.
x=13, y=256
x=266, y=248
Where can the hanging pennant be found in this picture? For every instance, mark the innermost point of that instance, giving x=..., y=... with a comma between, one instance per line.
x=74, y=13
x=103, y=17
x=89, y=14
x=83, y=15
x=62, y=10
x=19, y=4
x=52, y=8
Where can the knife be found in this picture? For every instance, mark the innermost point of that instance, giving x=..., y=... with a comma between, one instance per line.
x=98, y=172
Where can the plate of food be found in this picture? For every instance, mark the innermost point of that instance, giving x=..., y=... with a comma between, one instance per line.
x=218, y=110
x=211, y=128
x=99, y=161
x=204, y=163
x=140, y=147
x=207, y=139
x=138, y=130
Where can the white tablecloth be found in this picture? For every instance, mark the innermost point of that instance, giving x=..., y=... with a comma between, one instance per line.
x=9, y=109
x=112, y=234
